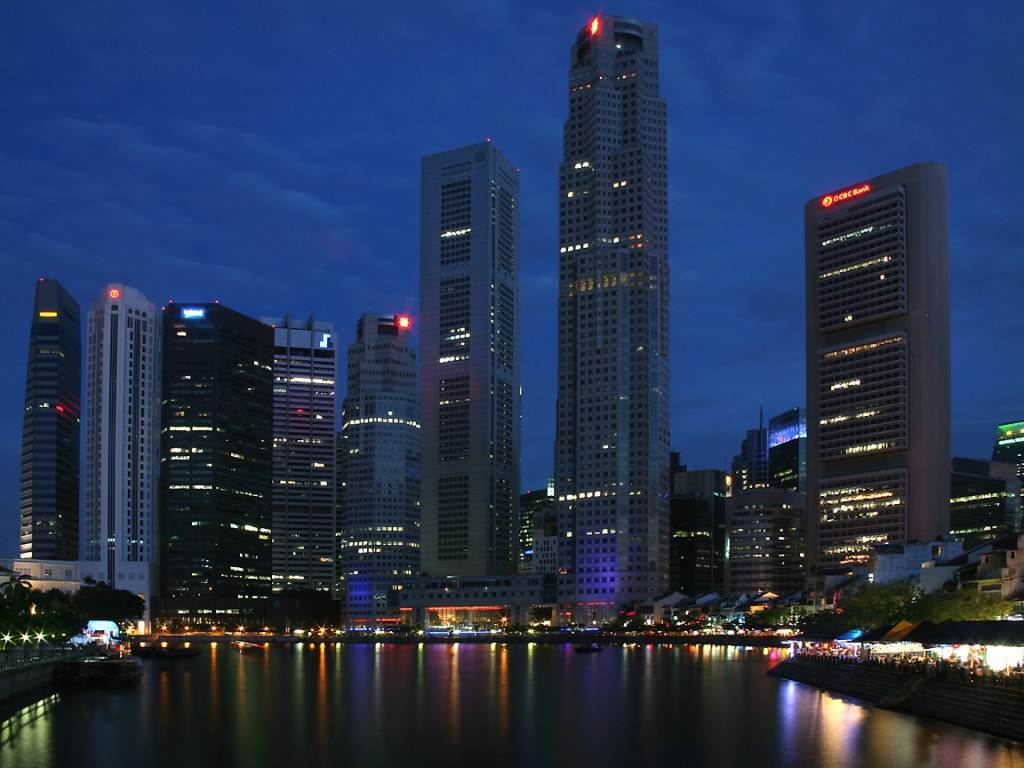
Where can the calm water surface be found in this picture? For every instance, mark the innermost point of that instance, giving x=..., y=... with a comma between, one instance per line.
x=479, y=705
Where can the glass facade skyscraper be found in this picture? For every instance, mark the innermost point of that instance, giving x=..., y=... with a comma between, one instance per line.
x=469, y=362
x=1009, y=445
x=878, y=366
x=984, y=501
x=750, y=465
x=536, y=512
x=787, y=450
x=215, y=510
x=379, y=471
x=49, y=442
x=612, y=413
x=303, y=496
x=697, y=529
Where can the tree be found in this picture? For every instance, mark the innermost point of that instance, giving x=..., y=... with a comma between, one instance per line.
x=874, y=605
x=16, y=592
x=961, y=605
x=98, y=601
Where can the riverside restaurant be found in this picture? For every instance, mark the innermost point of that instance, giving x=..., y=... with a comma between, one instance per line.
x=980, y=646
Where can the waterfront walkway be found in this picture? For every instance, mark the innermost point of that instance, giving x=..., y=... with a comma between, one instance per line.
x=30, y=667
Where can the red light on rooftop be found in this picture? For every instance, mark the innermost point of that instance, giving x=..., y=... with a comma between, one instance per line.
x=404, y=322
x=847, y=194
x=114, y=293
x=595, y=26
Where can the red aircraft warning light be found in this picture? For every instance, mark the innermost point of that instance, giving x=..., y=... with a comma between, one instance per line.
x=114, y=293
x=847, y=194
x=404, y=322
x=595, y=26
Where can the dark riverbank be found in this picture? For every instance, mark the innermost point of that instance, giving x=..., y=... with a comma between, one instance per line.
x=552, y=638
x=978, y=705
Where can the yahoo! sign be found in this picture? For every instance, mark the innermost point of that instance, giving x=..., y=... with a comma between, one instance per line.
x=847, y=194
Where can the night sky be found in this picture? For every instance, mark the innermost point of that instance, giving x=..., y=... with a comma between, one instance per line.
x=267, y=155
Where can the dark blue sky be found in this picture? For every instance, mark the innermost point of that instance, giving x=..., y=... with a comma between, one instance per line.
x=267, y=155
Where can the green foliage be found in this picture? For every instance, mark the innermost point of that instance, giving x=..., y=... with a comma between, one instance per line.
x=778, y=617
x=25, y=611
x=98, y=601
x=961, y=605
x=875, y=605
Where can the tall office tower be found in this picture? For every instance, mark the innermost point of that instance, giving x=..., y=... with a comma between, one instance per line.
x=304, y=517
x=536, y=511
x=49, y=440
x=121, y=439
x=469, y=350
x=750, y=465
x=877, y=269
x=215, y=483
x=787, y=450
x=379, y=471
x=984, y=501
x=612, y=425
x=766, y=541
x=1009, y=446
x=697, y=529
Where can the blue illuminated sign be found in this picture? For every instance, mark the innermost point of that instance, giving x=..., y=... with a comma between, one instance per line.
x=193, y=313
x=786, y=434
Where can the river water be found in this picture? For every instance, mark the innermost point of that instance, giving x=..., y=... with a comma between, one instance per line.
x=483, y=705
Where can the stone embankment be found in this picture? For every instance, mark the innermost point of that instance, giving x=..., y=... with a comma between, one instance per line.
x=991, y=706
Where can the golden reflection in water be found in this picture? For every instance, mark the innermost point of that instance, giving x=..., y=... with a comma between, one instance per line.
x=530, y=652
x=214, y=697
x=839, y=728
x=164, y=695
x=322, y=729
x=453, y=693
x=503, y=692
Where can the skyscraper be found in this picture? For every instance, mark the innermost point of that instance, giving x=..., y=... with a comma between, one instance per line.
x=304, y=496
x=1009, y=445
x=379, y=471
x=787, y=450
x=215, y=485
x=121, y=439
x=750, y=465
x=612, y=414
x=49, y=441
x=877, y=270
x=984, y=501
x=766, y=541
x=469, y=349
x=697, y=529
x=536, y=514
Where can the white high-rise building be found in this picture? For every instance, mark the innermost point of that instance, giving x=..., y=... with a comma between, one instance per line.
x=612, y=430
x=304, y=503
x=119, y=530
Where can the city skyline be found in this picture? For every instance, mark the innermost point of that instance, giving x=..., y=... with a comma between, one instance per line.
x=291, y=191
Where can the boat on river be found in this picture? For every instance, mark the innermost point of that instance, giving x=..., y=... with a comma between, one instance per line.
x=106, y=671
x=164, y=650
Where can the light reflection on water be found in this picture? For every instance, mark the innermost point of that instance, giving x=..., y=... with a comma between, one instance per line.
x=489, y=704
